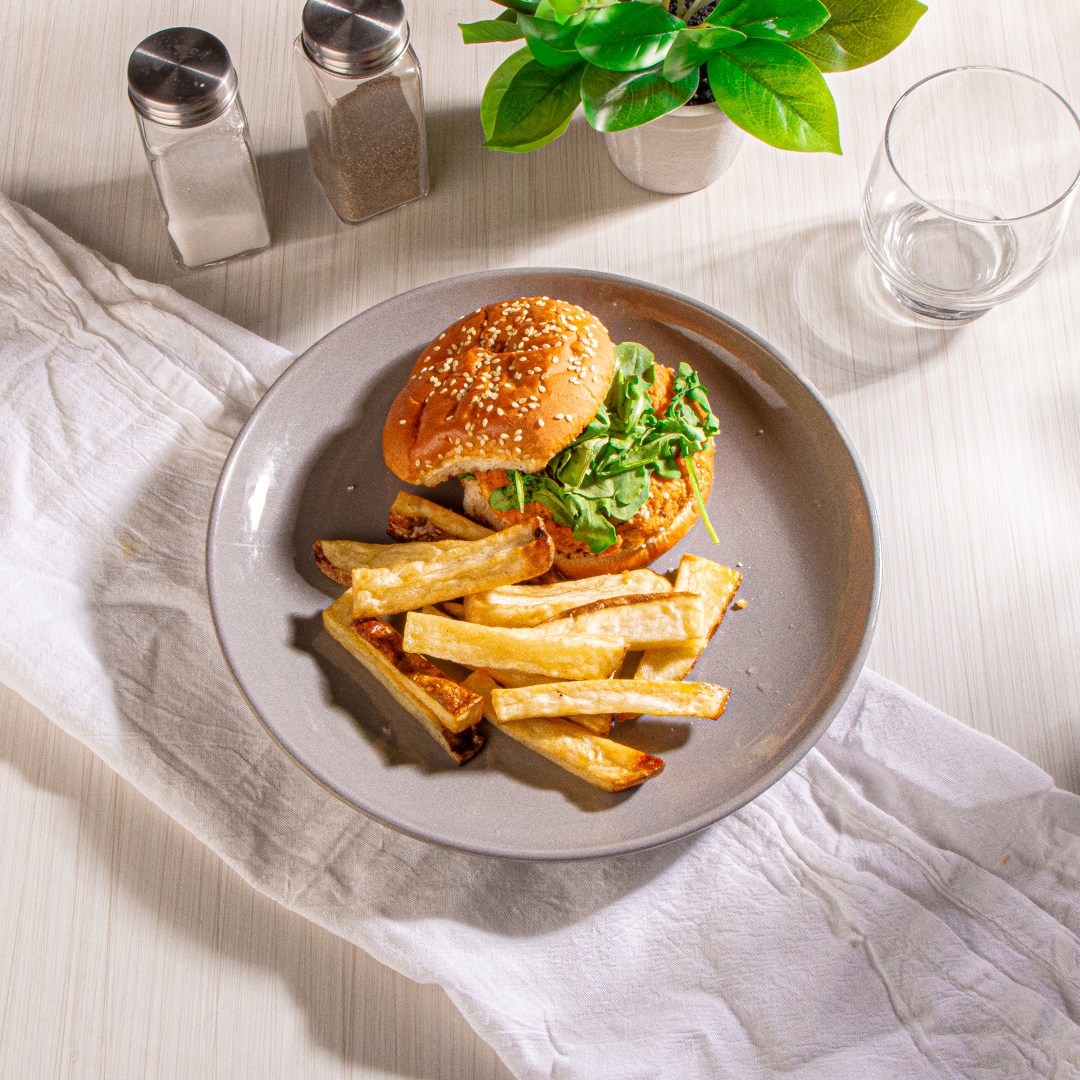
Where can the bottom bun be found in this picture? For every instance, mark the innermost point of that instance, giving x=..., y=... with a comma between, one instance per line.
x=640, y=544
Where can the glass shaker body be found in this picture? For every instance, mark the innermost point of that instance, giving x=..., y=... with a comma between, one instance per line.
x=208, y=186
x=366, y=136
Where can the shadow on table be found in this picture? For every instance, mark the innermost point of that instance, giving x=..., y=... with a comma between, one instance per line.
x=512, y=200
x=858, y=328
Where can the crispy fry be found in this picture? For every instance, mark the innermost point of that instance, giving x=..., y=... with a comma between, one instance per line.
x=414, y=518
x=338, y=558
x=447, y=710
x=452, y=569
x=601, y=762
x=530, y=605
x=600, y=695
x=716, y=585
x=597, y=723
x=569, y=656
x=646, y=621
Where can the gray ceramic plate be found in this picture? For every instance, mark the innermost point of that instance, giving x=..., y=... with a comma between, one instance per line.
x=790, y=503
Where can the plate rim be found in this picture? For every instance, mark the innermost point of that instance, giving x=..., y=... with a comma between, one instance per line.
x=686, y=829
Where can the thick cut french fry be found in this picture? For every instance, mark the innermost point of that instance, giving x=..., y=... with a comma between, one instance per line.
x=447, y=710
x=618, y=695
x=530, y=605
x=569, y=656
x=598, y=723
x=338, y=558
x=414, y=518
x=605, y=764
x=454, y=569
x=645, y=621
x=716, y=585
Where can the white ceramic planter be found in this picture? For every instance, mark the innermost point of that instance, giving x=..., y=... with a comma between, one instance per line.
x=686, y=150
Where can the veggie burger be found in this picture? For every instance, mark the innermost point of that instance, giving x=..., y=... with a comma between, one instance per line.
x=528, y=403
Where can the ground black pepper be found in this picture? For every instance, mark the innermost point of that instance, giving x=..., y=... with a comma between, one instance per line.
x=367, y=156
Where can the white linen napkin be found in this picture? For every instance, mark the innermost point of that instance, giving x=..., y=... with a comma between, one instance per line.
x=904, y=903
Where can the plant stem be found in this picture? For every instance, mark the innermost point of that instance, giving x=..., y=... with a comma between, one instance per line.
x=519, y=491
x=700, y=501
x=693, y=9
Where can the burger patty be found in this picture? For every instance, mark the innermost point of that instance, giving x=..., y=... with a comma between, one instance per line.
x=667, y=496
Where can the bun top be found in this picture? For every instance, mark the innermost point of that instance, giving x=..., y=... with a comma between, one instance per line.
x=506, y=387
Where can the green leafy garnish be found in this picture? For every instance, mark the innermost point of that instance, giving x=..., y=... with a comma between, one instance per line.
x=603, y=476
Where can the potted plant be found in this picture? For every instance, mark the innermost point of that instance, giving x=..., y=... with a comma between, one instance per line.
x=699, y=73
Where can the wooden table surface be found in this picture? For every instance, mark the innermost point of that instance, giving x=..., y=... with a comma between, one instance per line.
x=128, y=950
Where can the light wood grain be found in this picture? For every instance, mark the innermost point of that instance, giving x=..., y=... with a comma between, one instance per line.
x=130, y=951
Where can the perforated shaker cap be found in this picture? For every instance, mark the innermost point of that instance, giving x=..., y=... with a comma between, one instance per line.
x=354, y=38
x=182, y=77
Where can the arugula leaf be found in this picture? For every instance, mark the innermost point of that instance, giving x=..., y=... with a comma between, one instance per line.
x=859, y=32
x=605, y=473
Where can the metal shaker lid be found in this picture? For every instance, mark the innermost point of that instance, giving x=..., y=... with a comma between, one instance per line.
x=354, y=38
x=182, y=77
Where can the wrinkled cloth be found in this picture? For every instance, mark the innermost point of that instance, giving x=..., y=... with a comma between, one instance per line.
x=904, y=903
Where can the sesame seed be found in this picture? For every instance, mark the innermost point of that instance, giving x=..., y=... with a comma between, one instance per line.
x=539, y=423
x=401, y=422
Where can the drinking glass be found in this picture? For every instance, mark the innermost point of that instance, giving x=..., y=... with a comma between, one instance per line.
x=971, y=189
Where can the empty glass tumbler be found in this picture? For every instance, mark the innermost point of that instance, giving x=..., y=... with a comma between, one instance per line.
x=183, y=87
x=971, y=190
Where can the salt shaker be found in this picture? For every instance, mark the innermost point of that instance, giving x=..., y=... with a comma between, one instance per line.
x=182, y=85
x=363, y=103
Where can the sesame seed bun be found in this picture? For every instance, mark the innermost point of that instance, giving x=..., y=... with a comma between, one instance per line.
x=506, y=387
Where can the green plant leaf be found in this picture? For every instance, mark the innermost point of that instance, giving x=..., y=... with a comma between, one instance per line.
x=566, y=7
x=694, y=46
x=545, y=10
x=552, y=43
x=616, y=100
x=630, y=36
x=493, y=95
x=777, y=95
x=860, y=32
x=534, y=106
x=525, y=7
x=771, y=20
x=489, y=30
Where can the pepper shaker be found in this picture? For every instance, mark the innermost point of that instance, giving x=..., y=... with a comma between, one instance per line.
x=363, y=103
x=182, y=85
